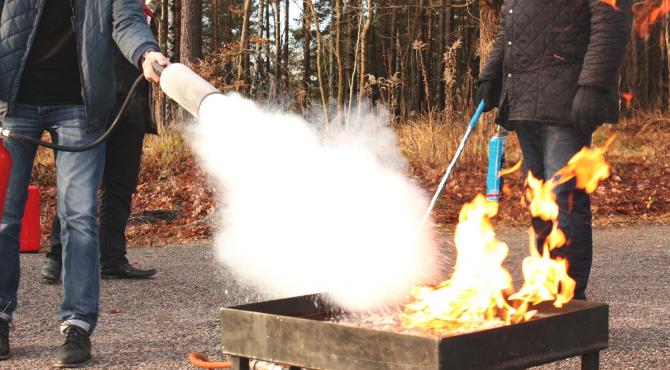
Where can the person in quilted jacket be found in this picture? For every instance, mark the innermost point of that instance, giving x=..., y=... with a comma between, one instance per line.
x=57, y=75
x=553, y=75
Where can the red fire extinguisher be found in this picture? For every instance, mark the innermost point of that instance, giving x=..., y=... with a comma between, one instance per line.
x=5, y=168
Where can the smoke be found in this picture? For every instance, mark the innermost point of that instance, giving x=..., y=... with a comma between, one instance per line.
x=310, y=210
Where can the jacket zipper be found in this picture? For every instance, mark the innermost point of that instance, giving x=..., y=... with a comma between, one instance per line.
x=76, y=40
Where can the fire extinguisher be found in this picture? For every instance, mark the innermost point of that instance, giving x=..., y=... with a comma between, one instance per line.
x=5, y=168
x=496, y=162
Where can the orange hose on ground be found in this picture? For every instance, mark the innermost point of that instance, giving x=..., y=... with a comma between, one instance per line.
x=201, y=360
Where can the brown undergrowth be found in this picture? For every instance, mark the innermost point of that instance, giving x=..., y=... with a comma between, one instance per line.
x=176, y=202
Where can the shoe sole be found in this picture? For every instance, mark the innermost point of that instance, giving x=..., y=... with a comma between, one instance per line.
x=50, y=281
x=115, y=277
x=72, y=366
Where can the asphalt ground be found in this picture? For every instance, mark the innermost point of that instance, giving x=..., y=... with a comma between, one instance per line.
x=154, y=324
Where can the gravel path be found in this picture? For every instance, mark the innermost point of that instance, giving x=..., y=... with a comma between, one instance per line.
x=154, y=324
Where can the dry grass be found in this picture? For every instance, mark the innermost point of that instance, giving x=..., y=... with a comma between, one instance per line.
x=175, y=201
x=166, y=153
x=430, y=142
x=645, y=137
x=163, y=155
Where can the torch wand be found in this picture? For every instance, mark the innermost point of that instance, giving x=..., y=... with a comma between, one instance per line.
x=459, y=150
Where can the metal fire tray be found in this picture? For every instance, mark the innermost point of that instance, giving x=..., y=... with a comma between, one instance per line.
x=295, y=331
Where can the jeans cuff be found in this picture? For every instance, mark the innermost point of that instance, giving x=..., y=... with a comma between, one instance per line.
x=74, y=322
x=5, y=316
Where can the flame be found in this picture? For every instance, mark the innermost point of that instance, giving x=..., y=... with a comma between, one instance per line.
x=480, y=292
x=588, y=167
x=545, y=279
x=646, y=14
x=512, y=169
x=628, y=98
x=611, y=3
x=474, y=293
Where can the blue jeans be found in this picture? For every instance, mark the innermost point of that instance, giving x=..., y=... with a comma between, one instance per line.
x=546, y=148
x=78, y=177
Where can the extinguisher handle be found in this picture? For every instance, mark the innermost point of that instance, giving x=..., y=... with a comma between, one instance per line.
x=158, y=68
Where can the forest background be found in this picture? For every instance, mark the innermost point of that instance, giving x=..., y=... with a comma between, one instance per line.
x=416, y=59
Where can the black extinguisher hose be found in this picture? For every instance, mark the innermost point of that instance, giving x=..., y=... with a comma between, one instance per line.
x=16, y=136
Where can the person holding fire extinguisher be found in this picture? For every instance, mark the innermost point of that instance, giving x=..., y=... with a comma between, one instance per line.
x=553, y=74
x=56, y=70
x=119, y=179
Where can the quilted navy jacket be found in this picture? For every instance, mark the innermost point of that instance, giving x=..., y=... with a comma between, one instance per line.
x=545, y=49
x=98, y=23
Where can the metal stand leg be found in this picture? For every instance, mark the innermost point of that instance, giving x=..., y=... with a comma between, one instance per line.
x=239, y=363
x=591, y=361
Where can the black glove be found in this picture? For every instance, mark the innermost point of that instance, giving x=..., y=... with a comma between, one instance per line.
x=589, y=109
x=489, y=92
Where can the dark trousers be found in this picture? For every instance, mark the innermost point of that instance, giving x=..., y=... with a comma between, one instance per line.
x=119, y=182
x=546, y=148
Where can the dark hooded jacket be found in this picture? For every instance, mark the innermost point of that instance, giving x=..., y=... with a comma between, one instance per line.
x=546, y=49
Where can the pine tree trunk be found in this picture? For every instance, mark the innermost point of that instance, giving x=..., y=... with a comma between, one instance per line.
x=285, y=68
x=364, y=38
x=319, y=48
x=258, y=58
x=338, y=55
x=191, y=31
x=174, y=29
x=216, y=25
x=278, y=48
x=306, y=44
x=242, y=73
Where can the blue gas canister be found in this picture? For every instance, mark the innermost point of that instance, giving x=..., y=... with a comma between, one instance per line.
x=496, y=161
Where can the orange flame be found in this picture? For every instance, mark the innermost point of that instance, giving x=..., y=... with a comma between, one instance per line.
x=647, y=13
x=480, y=292
x=474, y=293
x=611, y=3
x=507, y=171
x=628, y=98
x=588, y=167
x=545, y=279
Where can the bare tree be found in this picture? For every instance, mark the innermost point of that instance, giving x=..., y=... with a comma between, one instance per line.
x=191, y=31
x=306, y=44
x=318, y=61
x=338, y=55
x=364, y=39
x=216, y=25
x=174, y=29
x=258, y=56
x=285, y=53
x=244, y=44
x=278, y=48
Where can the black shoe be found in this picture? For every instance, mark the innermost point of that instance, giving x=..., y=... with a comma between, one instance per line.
x=4, y=340
x=76, y=351
x=51, y=270
x=127, y=271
